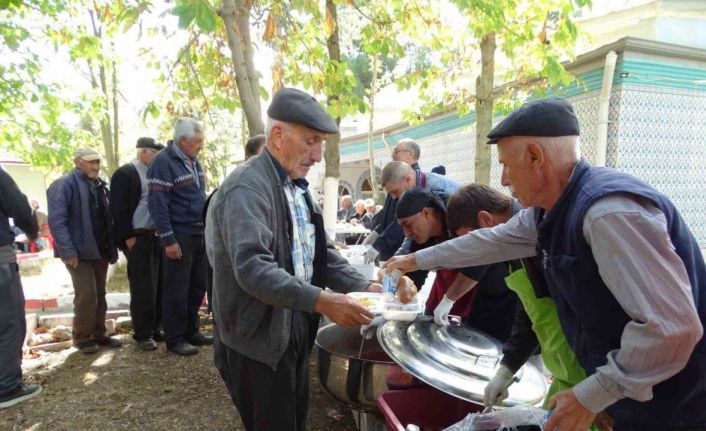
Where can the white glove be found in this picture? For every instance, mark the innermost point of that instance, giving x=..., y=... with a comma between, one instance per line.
x=441, y=312
x=370, y=239
x=370, y=254
x=496, y=390
x=368, y=330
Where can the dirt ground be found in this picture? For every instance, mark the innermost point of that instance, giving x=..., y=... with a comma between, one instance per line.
x=128, y=389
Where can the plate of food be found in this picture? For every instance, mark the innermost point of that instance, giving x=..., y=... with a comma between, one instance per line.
x=369, y=300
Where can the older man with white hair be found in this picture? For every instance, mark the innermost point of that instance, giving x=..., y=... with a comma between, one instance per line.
x=177, y=192
x=272, y=261
x=623, y=268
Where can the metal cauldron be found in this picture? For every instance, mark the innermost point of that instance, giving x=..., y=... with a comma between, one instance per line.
x=350, y=380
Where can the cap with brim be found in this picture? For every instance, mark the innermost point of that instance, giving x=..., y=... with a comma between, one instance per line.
x=546, y=117
x=416, y=199
x=149, y=143
x=86, y=154
x=294, y=106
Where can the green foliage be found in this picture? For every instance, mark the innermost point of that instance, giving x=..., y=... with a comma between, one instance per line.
x=534, y=38
x=199, y=12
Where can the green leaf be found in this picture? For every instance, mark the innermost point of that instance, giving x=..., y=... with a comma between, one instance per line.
x=553, y=70
x=185, y=13
x=5, y=4
x=129, y=18
x=87, y=47
x=204, y=17
x=151, y=109
x=263, y=93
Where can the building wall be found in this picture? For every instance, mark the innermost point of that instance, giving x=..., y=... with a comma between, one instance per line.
x=657, y=132
x=661, y=139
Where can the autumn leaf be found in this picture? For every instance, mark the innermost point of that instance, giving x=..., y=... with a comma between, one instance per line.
x=270, y=27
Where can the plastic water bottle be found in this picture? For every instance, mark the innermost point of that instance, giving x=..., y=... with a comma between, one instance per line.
x=389, y=281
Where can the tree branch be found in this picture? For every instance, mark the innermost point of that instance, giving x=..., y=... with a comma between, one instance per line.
x=364, y=15
x=203, y=94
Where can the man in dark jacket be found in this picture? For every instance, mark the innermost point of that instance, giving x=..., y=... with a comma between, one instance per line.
x=271, y=258
x=80, y=221
x=177, y=191
x=12, y=302
x=485, y=302
x=387, y=236
x=135, y=235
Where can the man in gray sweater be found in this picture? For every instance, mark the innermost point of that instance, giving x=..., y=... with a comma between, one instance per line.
x=266, y=242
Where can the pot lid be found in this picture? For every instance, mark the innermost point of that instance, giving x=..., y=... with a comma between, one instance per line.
x=457, y=360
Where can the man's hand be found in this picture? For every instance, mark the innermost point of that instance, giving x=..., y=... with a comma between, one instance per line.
x=496, y=389
x=603, y=421
x=370, y=254
x=442, y=310
x=370, y=239
x=130, y=242
x=71, y=261
x=374, y=287
x=342, y=310
x=569, y=414
x=173, y=251
x=405, y=263
x=368, y=331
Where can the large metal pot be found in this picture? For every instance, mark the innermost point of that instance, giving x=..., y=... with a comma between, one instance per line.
x=356, y=382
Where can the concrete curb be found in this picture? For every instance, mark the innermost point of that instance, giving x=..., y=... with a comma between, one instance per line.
x=65, y=304
x=52, y=320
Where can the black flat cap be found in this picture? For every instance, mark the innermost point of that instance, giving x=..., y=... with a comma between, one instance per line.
x=546, y=117
x=149, y=143
x=415, y=199
x=294, y=106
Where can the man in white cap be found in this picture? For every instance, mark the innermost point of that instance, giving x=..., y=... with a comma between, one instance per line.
x=81, y=223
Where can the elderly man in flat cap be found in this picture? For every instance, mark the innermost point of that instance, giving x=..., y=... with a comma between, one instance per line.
x=81, y=223
x=624, y=270
x=135, y=235
x=266, y=242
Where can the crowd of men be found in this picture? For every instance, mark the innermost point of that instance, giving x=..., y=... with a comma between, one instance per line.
x=589, y=266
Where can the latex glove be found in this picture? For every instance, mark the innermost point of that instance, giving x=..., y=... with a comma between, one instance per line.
x=368, y=330
x=370, y=254
x=496, y=390
x=370, y=239
x=441, y=312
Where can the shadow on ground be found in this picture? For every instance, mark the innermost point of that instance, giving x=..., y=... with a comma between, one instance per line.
x=128, y=389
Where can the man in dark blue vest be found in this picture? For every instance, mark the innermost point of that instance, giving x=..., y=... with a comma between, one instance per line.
x=623, y=268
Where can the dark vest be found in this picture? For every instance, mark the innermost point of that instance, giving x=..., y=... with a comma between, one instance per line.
x=590, y=316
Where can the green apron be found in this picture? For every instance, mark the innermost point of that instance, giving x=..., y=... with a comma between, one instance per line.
x=556, y=353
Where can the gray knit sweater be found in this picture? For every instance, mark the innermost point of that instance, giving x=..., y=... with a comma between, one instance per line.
x=248, y=246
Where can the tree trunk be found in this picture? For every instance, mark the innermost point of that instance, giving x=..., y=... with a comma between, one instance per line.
x=116, y=127
x=236, y=16
x=332, y=156
x=484, y=108
x=371, y=153
x=106, y=131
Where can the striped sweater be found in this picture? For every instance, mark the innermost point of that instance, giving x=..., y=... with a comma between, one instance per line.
x=175, y=200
